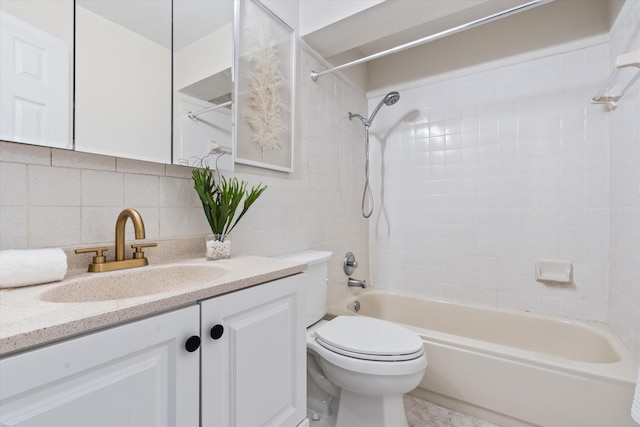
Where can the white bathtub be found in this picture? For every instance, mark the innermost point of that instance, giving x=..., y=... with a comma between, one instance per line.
x=513, y=368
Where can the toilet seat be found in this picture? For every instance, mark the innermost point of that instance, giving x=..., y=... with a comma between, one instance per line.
x=369, y=339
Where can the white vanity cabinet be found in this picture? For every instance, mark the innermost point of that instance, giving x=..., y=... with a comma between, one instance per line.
x=254, y=356
x=137, y=374
x=238, y=359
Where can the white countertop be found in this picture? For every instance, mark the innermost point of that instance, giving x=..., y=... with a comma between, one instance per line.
x=27, y=320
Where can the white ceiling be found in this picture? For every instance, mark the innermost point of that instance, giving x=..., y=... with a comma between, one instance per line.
x=380, y=27
x=193, y=19
x=396, y=22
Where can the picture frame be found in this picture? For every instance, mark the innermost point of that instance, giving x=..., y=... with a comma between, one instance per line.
x=264, y=88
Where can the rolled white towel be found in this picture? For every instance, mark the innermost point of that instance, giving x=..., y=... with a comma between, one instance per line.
x=31, y=267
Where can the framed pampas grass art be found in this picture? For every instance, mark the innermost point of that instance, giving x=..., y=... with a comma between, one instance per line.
x=265, y=80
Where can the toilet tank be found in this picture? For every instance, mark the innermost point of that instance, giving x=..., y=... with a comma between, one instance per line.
x=315, y=282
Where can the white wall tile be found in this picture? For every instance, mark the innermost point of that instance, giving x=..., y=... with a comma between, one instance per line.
x=177, y=192
x=98, y=224
x=141, y=190
x=100, y=188
x=54, y=226
x=624, y=190
x=13, y=184
x=13, y=227
x=151, y=218
x=174, y=222
x=50, y=186
x=139, y=167
x=24, y=153
x=74, y=159
x=515, y=184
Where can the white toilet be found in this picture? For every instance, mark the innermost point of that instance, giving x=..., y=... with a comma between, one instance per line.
x=358, y=367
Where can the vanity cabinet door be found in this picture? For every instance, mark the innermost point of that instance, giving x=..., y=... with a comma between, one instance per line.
x=138, y=374
x=254, y=356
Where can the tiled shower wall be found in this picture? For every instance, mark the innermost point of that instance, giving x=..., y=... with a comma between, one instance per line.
x=624, y=190
x=488, y=172
x=483, y=174
x=59, y=198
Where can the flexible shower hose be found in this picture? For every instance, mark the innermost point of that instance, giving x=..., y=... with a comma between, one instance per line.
x=367, y=187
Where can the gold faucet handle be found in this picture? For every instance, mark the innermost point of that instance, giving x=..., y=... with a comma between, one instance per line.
x=138, y=254
x=99, y=258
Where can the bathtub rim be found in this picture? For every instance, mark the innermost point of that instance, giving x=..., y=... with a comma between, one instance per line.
x=622, y=371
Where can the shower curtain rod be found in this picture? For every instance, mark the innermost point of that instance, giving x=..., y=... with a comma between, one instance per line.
x=194, y=116
x=436, y=36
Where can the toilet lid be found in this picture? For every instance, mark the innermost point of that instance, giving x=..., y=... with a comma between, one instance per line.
x=369, y=338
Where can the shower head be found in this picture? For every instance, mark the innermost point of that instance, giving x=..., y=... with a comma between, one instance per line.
x=390, y=99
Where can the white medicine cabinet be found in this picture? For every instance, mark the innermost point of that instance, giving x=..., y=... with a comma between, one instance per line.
x=123, y=79
x=119, y=78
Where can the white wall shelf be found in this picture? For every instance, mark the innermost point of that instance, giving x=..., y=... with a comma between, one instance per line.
x=615, y=87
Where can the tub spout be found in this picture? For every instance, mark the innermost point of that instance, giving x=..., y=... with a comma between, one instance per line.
x=357, y=283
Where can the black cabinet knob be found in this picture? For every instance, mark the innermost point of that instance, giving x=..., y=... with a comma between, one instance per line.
x=192, y=344
x=217, y=331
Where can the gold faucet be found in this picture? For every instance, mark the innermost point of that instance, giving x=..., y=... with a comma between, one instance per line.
x=100, y=264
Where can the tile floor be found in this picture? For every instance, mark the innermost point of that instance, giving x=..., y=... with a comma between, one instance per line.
x=421, y=413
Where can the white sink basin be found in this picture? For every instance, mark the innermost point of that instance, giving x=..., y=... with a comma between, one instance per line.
x=132, y=283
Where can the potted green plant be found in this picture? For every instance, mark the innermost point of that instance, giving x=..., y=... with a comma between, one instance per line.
x=221, y=199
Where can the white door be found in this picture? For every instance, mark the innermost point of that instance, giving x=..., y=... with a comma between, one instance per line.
x=254, y=366
x=34, y=85
x=135, y=375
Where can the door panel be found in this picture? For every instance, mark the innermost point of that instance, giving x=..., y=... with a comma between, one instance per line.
x=34, y=82
x=138, y=374
x=255, y=373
